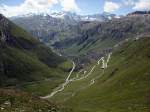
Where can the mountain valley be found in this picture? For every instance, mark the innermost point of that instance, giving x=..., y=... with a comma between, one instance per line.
x=66, y=62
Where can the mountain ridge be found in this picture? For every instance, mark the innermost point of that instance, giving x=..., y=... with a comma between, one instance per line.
x=23, y=59
x=73, y=16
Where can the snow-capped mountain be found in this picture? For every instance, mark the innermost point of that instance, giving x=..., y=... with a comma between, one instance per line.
x=73, y=16
x=65, y=15
x=49, y=27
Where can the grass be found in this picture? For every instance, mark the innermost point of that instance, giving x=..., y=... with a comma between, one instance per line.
x=80, y=84
x=42, y=88
x=18, y=101
x=26, y=61
x=124, y=87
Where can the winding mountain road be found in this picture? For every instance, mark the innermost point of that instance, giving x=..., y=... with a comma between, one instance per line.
x=85, y=75
x=104, y=66
x=68, y=80
x=62, y=86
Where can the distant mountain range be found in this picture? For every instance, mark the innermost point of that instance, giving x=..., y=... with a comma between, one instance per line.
x=96, y=38
x=70, y=16
x=73, y=37
x=73, y=16
x=51, y=28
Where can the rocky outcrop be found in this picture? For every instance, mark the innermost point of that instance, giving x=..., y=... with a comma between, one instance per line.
x=138, y=13
x=3, y=29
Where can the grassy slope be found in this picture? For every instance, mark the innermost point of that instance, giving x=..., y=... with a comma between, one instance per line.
x=23, y=59
x=17, y=101
x=124, y=87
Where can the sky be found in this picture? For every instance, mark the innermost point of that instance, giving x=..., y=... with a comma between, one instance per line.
x=83, y=7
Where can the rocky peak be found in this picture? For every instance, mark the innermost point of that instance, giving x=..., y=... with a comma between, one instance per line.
x=3, y=29
x=138, y=13
x=1, y=16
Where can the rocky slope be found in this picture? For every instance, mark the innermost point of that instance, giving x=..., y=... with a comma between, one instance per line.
x=97, y=38
x=50, y=28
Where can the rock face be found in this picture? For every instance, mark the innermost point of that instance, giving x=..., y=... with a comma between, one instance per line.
x=95, y=41
x=139, y=13
x=113, y=31
x=54, y=27
x=3, y=29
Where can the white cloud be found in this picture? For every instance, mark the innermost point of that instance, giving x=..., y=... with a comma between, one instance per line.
x=37, y=6
x=28, y=6
x=128, y=2
x=69, y=5
x=142, y=5
x=111, y=6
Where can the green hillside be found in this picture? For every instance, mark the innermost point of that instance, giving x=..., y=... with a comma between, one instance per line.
x=122, y=87
x=18, y=101
x=25, y=62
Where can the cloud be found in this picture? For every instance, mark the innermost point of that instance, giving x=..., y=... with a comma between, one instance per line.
x=37, y=6
x=111, y=6
x=28, y=6
x=137, y=4
x=142, y=5
x=69, y=5
x=128, y=2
